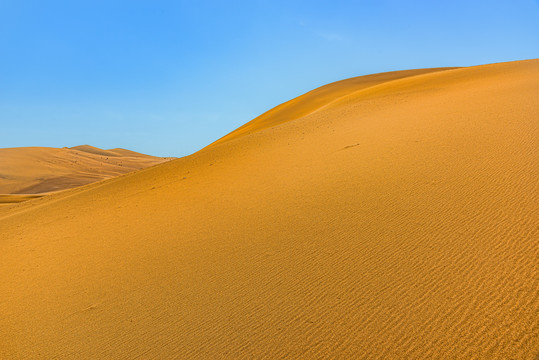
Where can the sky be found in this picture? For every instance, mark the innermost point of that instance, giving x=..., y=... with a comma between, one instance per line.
x=167, y=78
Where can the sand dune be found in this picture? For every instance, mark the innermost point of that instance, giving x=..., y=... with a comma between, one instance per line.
x=35, y=170
x=395, y=220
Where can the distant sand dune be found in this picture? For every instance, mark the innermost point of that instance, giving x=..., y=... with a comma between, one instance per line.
x=35, y=170
x=392, y=221
x=13, y=199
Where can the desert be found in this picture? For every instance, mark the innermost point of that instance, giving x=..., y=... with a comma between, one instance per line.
x=388, y=216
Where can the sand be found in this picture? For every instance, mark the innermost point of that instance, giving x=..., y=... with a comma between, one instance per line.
x=394, y=221
x=38, y=170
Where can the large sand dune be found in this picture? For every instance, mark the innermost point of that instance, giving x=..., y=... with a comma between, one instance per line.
x=396, y=220
x=36, y=170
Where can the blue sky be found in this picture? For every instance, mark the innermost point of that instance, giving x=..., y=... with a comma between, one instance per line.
x=169, y=77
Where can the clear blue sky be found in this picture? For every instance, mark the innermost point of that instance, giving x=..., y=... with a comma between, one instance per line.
x=169, y=77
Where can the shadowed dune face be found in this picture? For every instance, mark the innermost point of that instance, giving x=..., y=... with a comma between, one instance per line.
x=7, y=199
x=35, y=170
x=396, y=221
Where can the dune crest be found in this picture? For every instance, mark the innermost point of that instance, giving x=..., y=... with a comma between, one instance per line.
x=318, y=98
x=396, y=221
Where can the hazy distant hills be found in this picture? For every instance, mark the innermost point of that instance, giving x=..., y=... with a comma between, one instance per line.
x=34, y=170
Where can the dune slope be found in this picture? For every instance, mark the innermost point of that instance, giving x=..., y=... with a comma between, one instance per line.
x=35, y=170
x=318, y=98
x=396, y=221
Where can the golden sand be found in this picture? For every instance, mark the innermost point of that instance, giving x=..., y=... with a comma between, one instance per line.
x=395, y=220
x=37, y=170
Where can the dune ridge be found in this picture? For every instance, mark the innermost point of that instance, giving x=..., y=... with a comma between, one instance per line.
x=317, y=99
x=395, y=221
x=38, y=170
